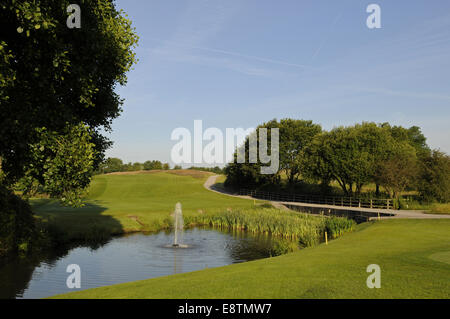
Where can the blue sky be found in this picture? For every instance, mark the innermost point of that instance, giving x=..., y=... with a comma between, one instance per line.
x=238, y=63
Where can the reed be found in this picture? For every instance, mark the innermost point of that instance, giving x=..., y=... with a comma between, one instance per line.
x=308, y=230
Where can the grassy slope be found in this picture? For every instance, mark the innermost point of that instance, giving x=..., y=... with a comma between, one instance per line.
x=414, y=257
x=127, y=203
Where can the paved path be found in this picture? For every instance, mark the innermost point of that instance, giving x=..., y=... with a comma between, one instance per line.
x=209, y=184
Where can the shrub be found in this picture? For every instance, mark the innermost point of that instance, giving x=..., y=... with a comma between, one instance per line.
x=283, y=246
x=337, y=226
x=17, y=225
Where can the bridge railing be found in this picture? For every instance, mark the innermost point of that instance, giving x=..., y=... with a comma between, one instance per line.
x=377, y=203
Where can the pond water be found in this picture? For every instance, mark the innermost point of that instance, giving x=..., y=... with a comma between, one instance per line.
x=128, y=258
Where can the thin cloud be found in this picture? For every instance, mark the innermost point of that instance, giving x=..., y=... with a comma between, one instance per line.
x=217, y=62
x=236, y=54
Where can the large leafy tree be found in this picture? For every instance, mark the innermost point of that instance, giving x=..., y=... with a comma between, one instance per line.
x=249, y=174
x=53, y=76
x=412, y=135
x=434, y=177
x=314, y=160
x=349, y=155
x=295, y=136
x=62, y=165
x=399, y=170
x=57, y=94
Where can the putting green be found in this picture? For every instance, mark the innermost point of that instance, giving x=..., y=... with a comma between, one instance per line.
x=442, y=257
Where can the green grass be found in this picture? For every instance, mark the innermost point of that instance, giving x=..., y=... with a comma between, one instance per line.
x=432, y=208
x=440, y=208
x=125, y=203
x=413, y=256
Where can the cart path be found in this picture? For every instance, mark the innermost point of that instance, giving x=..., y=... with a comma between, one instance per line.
x=417, y=214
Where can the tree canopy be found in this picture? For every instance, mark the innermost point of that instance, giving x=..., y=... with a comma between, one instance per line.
x=57, y=96
x=434, y=176
x=53, y=77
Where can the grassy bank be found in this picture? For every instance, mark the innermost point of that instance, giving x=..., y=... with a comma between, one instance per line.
x=124, y=203
x=413, y=256
x=435, y=208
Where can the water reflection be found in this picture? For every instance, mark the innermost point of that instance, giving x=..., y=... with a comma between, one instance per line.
x=128, y=258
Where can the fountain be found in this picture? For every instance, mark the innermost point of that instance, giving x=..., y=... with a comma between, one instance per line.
x=178, y=227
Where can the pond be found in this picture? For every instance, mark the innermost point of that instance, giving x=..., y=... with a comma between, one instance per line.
x=129, y=258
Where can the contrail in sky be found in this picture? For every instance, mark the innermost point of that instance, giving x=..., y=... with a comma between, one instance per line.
x=236, y=54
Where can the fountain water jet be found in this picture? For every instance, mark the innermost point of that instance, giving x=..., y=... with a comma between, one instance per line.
x=178, y=226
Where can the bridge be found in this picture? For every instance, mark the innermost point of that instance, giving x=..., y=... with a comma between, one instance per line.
x=360, y=210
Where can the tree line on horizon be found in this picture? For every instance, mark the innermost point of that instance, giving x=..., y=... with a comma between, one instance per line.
x=392, y=157
x=114, y=164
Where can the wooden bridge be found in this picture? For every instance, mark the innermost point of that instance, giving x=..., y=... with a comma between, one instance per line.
x=358, y=209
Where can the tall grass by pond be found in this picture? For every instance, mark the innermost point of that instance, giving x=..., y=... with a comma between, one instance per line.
x=308, y=230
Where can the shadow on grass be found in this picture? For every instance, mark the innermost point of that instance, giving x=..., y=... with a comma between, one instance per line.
x=85, y=225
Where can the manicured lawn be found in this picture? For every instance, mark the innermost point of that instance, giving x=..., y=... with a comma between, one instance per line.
x=136, y=202
x=413, y=256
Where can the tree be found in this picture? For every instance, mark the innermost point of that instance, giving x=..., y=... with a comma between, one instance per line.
x=136, y=167
x=62, y=165
x=248, y=174
x=53, y=77
x=166, y=166
x=151, y=165
x=111, y=164
x=177, y=167
x=434, y=177
x=412, y=136
x=295, y=136
x=399, y=171
x=348, y=155
x=52, y=80
x=314, y=161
